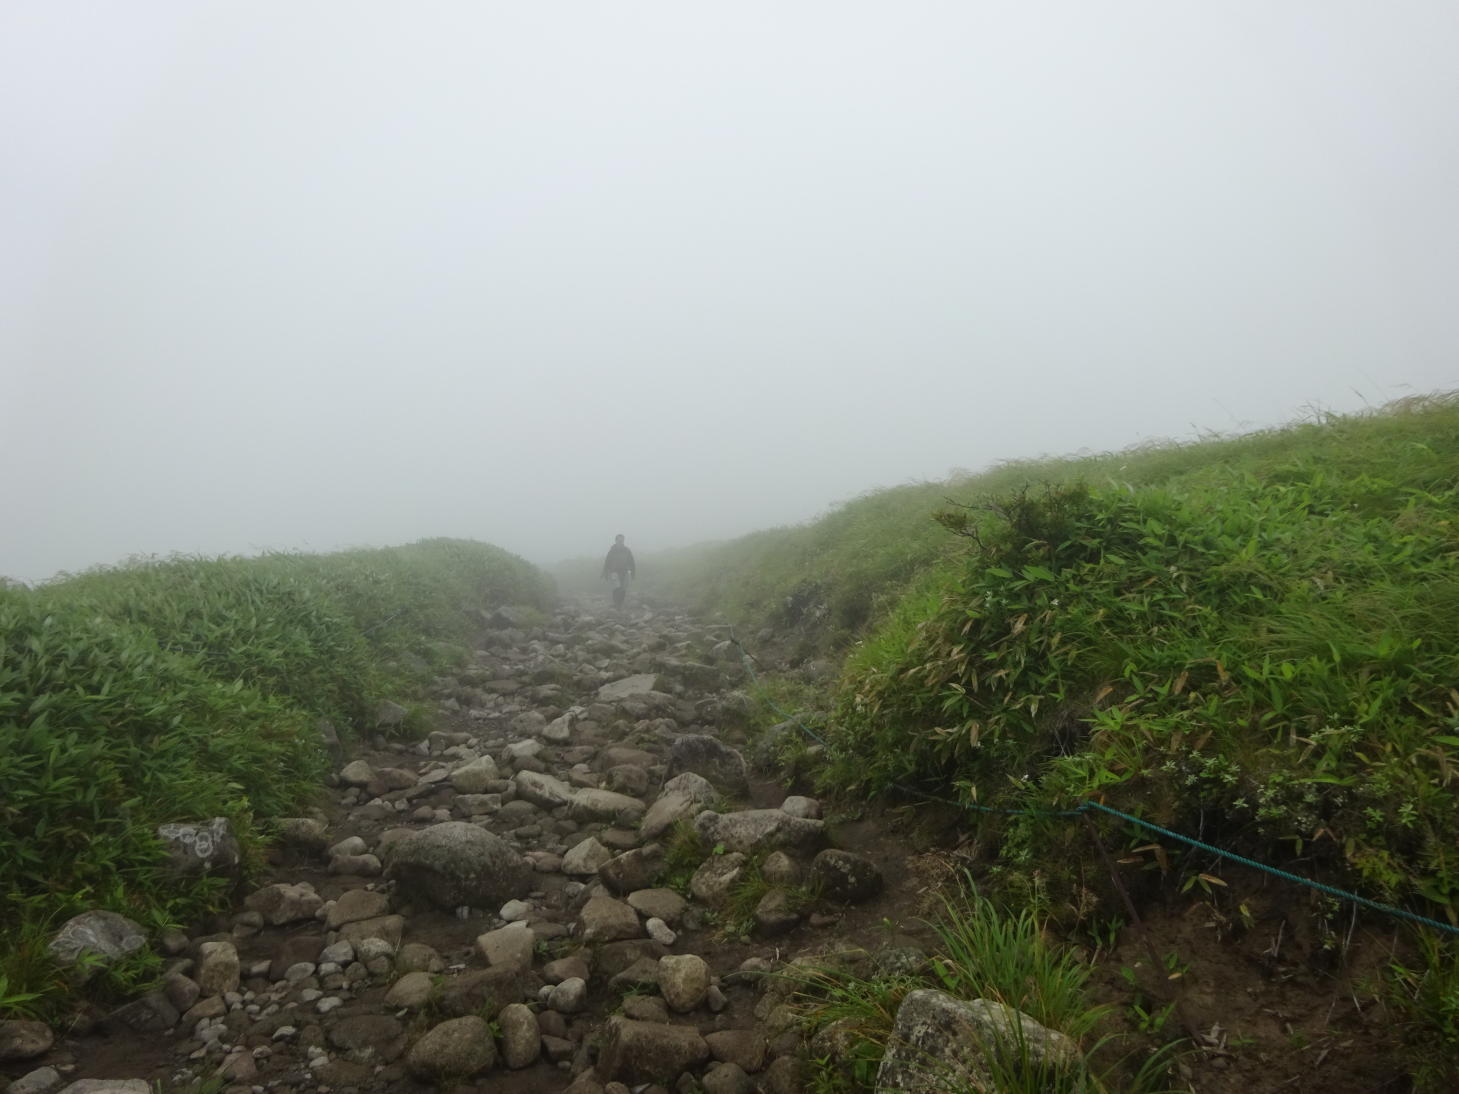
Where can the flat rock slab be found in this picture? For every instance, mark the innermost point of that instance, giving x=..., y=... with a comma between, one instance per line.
x=641, y=684
x=754, y=830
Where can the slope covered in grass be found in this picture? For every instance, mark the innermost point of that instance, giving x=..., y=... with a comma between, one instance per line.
x=183, y=690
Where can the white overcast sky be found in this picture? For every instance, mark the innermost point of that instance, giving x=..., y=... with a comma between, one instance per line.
x=314, y=274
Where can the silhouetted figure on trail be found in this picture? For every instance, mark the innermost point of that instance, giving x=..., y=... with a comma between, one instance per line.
x=619, y=566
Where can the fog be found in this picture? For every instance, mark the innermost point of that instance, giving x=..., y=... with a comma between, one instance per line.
x=311, y=275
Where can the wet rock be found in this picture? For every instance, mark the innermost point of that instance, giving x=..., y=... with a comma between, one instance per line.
x=662, y=904
x=569, y=996
x=714, y=881
x=754, y=830
x=647, y=1052
x=776, y=914
x=604, y=919
x=683, y=981
x=456, y=863
x=217, y=968
x=745, y=1047
x=780, y=869
x=386, y=928
x=43, y=1080
x=105, y=936
x=509, y=945
x=457, y=1048
x=798, y=806
x=682, y=797
x=282, y=903
x=355, y=905
x=208, y=847
x=605, y=805
x=631, y=870
x=585, y=858
x=712, y=759
x=152, y=1013
x=521, y=1039
x=412, y=991
x=939, y=1043
x=357, y=773
x=845, y=876
x=641, y=684
x=485, y=991
x=727, y=1079
x=475, y=777
x=541, y=790
x=368, y=1038
x=24, y=1040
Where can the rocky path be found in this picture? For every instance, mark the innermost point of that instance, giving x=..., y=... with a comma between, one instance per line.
x=512, y=904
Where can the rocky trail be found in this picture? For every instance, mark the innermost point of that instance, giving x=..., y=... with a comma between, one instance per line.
x=514, y=903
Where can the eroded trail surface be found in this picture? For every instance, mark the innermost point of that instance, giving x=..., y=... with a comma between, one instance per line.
x=514, y=903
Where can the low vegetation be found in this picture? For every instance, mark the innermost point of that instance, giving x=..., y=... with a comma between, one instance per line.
x=1252, y=638
x=193, y=688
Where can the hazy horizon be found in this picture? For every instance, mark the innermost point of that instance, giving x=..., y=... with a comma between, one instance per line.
x=308, y=277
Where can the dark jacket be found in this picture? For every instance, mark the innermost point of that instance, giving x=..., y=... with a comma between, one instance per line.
x=619, y=560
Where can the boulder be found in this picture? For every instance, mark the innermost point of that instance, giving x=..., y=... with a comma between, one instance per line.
x=305, y=833
x=521, y=1038
x=412, y=991
x=604, y=919
x=509, y=945
x=104, y=936
x=639, y=1052
x=776, y=913
x=940, y=1043
x=474, y=777
x=357, y=773
x=746, y=1047
x=845, y=876
x=641, y=684
x=754, y=830
x=662, y=904
x=386, y=928
x=282, y=903
x=716, y=761
x=205, y=847
x=107, y=1086
x=585, y=858
x=542, y=790
x=457, y=863
x=682, y=797
x=605, y=805
x=217, y=969
x=683, y=981
x=714, y=881
x=457, y=1048
x=43, y=1080
x=368, y=1038
x=23, y=1040
x=355, y=905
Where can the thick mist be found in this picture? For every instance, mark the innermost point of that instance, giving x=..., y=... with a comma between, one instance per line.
x=316, y=275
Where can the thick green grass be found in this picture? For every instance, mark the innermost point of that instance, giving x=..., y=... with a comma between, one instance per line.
x=183, y=690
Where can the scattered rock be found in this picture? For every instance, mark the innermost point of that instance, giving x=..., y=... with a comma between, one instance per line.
x=355, y=905
x=509, y=945
x=712, y=759
x=456, y=863
x=585, y=858
x=604, y=919
x=641, y=684
x=281, y=903
x=845, y=876
x=714, y=881
x=683, y=981
x=649, y=1052
x=202, y=848
x=217, y=968
x=457, y=1048
x=24, y=1040
x=104, y=935
x=521, y=1039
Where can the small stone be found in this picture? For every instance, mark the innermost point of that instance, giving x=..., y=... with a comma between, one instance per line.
x=660, y=932
x=514, y=910
x=521, y=1038
x=569, y=996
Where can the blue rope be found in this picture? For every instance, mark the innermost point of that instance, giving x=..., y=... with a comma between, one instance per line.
x=1086, y=807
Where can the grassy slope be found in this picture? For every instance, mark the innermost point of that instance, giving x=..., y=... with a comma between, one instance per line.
x=1258, y=627
x=182, y=690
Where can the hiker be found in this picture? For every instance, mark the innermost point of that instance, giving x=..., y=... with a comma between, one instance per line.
x=619, y=564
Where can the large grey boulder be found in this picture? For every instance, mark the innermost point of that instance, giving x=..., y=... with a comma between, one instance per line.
x=717, y=762
x=638, y=1052
x=940, y=1043
x=203, y=848
x=456, y=1049
x=104, y=936
x=753, y=830
x=456, y=863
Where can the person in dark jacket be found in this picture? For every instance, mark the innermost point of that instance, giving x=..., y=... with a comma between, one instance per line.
x=619, y=566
